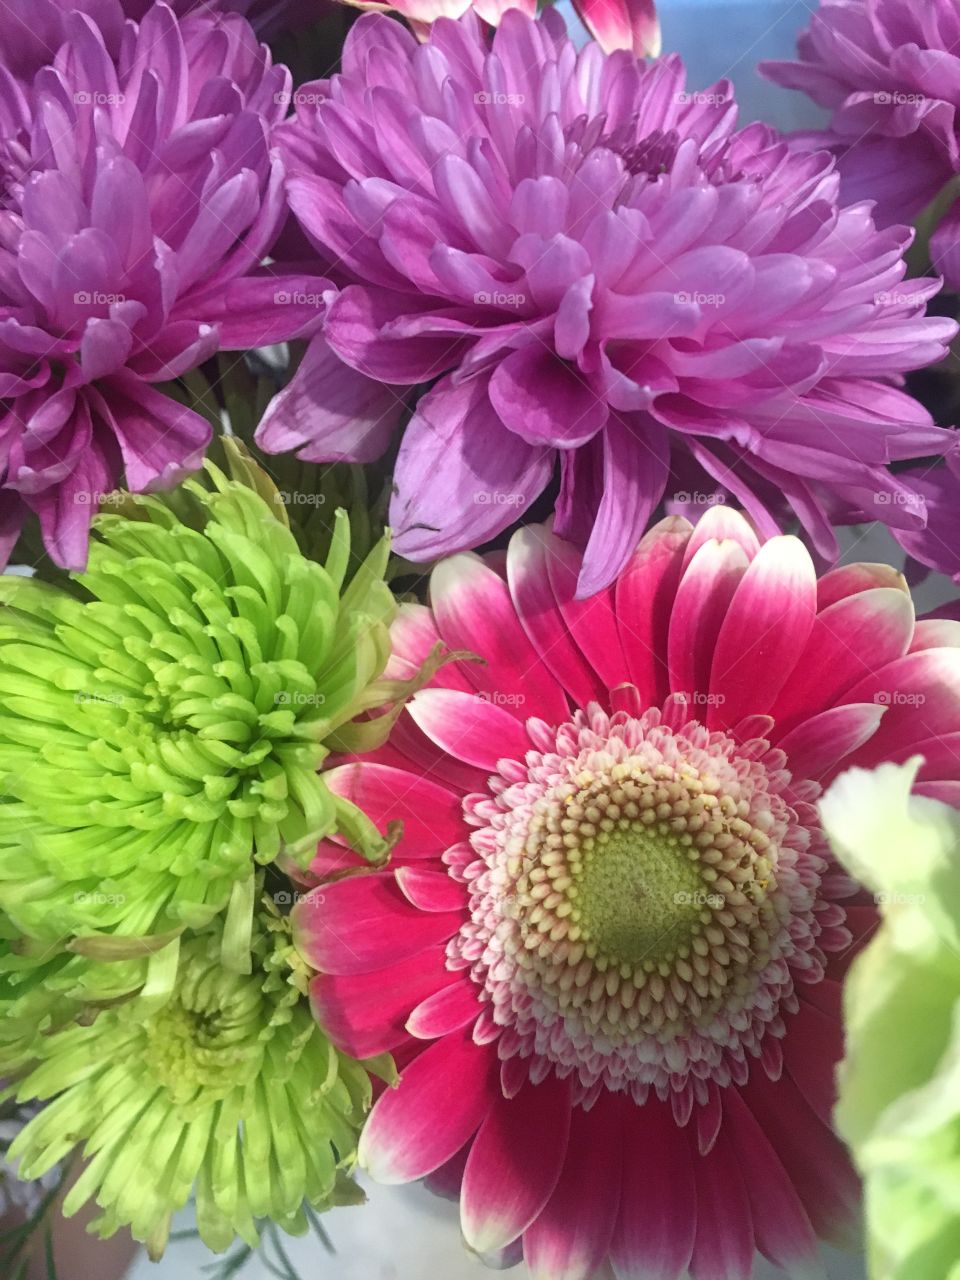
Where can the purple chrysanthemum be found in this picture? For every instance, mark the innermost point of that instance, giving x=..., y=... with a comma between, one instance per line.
x=139, y=194
x=31, y=31
x=889, y=73
x=596, y=268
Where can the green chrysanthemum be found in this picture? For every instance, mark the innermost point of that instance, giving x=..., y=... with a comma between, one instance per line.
x=229, y=1091
x=162, y=723
x=899, y=1102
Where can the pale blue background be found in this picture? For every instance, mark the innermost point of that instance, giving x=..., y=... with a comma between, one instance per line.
x=403, y=1233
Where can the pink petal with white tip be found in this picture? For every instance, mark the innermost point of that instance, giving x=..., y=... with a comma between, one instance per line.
x=474, y=611
x=718, y=524
x=431, y=814
x=657, y=1221
x=701, y=604
x=592, y=622
x=724, y=1246
x=366, y=1013
x=850, y=579
x=469, y=728
x=781, y=1226
x=764, y=632
x=539, y=615
x=446, y=1010
x=570, y=1239
x=452, y=1078
x=515, y=1164
x=922, y=695
x=645, y=593
x=936, y=633
x=429, y=890
x=622, y=24
x=819, y=745
x=364, y=923
x=413, y=635
x=849, y=640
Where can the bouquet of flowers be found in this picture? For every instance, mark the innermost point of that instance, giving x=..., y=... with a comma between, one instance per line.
x=440, y=736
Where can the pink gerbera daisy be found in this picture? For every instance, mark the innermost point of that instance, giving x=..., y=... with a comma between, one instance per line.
x=609, y=952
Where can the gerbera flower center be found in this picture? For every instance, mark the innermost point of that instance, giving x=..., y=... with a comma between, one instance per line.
x=645, y=889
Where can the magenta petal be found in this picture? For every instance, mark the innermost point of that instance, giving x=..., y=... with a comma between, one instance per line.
x=365, y=1013
x=657, y=1222
x=544, y=400
x=475, y=613
x=430, y=890
x=515, y=1164
x=781, y=1225
x=364, y=923
x=850, y=640
x=469, y=728
x=764, y=632
x=440, y=1102
x=528, y=557
x=571, y=1238
x=816, y=747
x=699, y=609
x=447, y=1010
x=724, y=1245
x=645, y=592
x=431, y=814
x=329, y=412
x=815, y=1159
x=257, y=311
x=636, y=463
x=461, y=476
x=161, y=441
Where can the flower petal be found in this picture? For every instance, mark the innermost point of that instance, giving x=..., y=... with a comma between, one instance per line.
x=452, y=1078
x=366, y=1013
x=474, y=611
x=570, y=1239
x=515, y=1164
x=764, y=632
x=468, y=728
x=365, y=923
